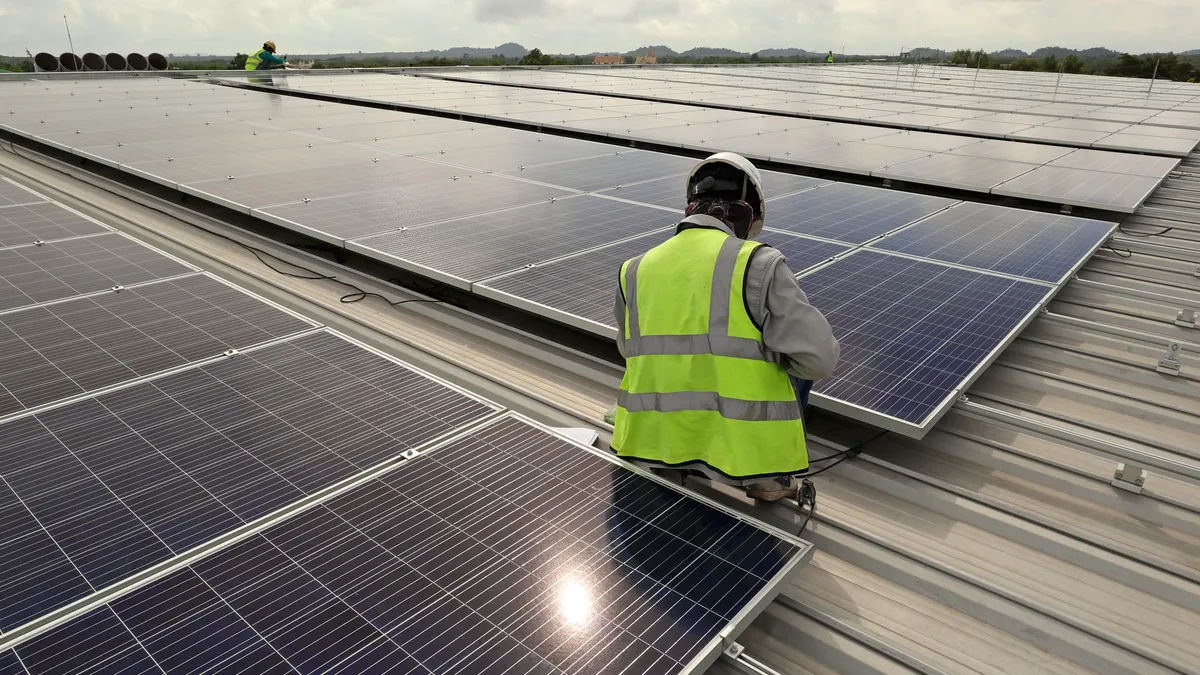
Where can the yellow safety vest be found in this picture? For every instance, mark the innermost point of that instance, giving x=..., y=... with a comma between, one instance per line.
x=700, y=385
x=254, y=60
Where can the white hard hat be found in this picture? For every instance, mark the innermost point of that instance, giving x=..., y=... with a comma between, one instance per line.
x=752, y=186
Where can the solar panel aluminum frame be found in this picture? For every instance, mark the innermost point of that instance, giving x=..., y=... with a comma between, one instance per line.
x=39, y=196
x=103, y=596
x=724, y=639
x=292, y=225
x=919, y=431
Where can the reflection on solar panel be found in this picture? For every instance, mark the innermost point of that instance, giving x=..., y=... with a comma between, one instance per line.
x=109, y=486
x=582, y=286
x=801, y=252
x=68, y=348
x=555, y=560
x=43, y=222
x=34, y=274
x=667, y=192
x=608, y=171
x=484, y=246
x=851, y=213
x=1027, y=244
x=364, y=214
x=11, y=193
x=912, y=333
x=1080, y=187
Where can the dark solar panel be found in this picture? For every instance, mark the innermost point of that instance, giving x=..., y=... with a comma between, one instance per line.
x=552, y=559
x=11, y=193
x=1042, y=246
x=911, y=331
x=487, y=245
x=34, y=274
x=106, y=487
x=583, y=285
x=364, y=214
x=777, y=184
x=667, y=192
x=528, y=152
x=801, y=252
x=608, y=171
x=43, y=222
x=64, y=349
x=854, y=214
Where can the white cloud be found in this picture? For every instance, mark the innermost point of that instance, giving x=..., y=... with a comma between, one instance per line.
x=863, y=26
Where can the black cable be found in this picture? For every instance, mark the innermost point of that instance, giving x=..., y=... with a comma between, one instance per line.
x=1122, y=230
x=1121, y=253
x=842, y=456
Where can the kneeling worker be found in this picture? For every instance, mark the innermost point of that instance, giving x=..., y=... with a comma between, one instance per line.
x=265, y=59
x=714, y=330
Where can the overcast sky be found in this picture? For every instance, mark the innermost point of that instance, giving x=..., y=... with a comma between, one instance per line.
x=581, y=26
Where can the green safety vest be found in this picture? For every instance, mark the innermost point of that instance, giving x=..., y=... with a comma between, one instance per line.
x=829, y=58
x=700, y=385
x=254, y=60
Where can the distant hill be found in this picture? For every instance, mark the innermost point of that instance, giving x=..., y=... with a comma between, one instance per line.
x=659, y=50
x=1092, y=53
x=700, y=52
x=1009, y=53
x=782, y=53
x=1191, y=52
x=509, y=50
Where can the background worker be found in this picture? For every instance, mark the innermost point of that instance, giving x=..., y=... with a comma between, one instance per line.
x=715, y=332
x=265, y=59
x=829, y=59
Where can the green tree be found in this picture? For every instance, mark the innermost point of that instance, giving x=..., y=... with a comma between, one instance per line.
x=754, y=57
x=535, y=57
x=980, y=59
x=961, y=57
x=1050, y=63
x=1026, y=64
x=239, y=61
x=1072, y=64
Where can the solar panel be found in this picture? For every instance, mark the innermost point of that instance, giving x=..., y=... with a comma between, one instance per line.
x=1112, y=162
x=854, y=214
x=68, y=348
x=43, y=222
x=31, y=275
x=668, y=192
x=364, y=214
x=607, y=171
x=109, y=486
x=979, y=174
x=578, y=290
x=484, y=246
x=1176, y=147
x=1029, y=153
x=1042, y=246
x=801, y=252
x=510, y=157
x=557, y=559
x=1080, y=187
x=913, y=334
x=11, y=193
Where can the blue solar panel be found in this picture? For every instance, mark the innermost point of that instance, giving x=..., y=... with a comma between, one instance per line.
x=95, y=491
x=801, y=252
x=1043, y=246
x=551, y=560
x=913, y=331
x=851, y=213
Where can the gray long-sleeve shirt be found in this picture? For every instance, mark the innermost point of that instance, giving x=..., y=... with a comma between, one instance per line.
x=795, y=332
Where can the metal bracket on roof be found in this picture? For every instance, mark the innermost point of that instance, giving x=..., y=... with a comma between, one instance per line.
x=38, y=242
x=231, y=352
x=1169, y=363
x=887, y=182
x=117, y=289
x=734, y=650
x=1129, y=477
x=964, y=399
x=1197, y=272
x=1186, y=318
x=1066, y=208
x=409, y=454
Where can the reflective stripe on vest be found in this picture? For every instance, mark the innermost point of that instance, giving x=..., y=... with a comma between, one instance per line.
x=702, y=388
x=254, y=60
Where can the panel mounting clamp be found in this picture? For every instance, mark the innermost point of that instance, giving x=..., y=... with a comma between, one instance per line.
x=1129, y=477
x=1169, y=363
x=1186, y=318
x=117, y=289
x=231, y=352
x=734, y=650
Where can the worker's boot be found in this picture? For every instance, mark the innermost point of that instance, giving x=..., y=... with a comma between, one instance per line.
x=771, y=490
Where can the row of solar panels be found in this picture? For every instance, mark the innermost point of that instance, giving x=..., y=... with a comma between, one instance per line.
x=194, y=479
x=1090, y=178
x=528, y=237
x=1162, y=132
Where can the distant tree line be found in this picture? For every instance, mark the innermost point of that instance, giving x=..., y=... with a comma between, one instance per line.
x=1170, y=66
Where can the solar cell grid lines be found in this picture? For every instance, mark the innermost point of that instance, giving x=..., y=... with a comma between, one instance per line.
x=35, y=274
x=565, y=584
x=484, y=246
x=97, y=490
x=912, y=332
x=11, y=193
x=364, y=214
x=979, y=174
x=852, y=214
x=43, y=222
x=801, y=252
x=1041, y=246
x=65, y=349
x=607, y=171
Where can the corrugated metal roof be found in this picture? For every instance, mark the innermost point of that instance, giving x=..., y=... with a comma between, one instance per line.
x=997, y=544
